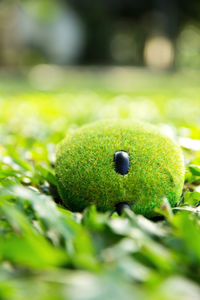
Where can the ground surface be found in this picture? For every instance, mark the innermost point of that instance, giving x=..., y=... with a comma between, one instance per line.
x=47, y=252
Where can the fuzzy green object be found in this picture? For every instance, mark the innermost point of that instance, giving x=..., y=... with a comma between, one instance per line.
x=86, y=173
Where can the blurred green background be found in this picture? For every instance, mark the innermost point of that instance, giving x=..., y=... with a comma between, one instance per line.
x=156, y=33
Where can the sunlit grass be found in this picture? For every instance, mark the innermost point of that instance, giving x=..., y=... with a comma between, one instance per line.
x=47, y=252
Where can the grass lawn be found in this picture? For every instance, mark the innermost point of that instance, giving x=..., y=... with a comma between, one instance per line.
x=48, y=252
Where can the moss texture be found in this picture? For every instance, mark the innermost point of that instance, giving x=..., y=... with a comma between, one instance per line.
x=86, y=174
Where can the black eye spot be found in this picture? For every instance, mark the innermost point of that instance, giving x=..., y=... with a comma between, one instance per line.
x=121, y=160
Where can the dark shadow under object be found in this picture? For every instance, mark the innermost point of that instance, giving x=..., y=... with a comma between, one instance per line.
x=121, y=206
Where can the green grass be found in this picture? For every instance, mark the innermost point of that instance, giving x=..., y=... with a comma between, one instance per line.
x=86, y=175
x=48, y=252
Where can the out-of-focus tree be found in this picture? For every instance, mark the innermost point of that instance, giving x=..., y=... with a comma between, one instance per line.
x=50, y=28
x=159, y=33
x=40, y=31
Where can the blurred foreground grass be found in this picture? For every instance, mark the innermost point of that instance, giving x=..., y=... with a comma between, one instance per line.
x=47, y=252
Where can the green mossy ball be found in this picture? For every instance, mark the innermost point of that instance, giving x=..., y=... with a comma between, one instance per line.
x=86, y=175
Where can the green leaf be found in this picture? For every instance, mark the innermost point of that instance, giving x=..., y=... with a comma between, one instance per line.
x=194, y=169
x=192, y=198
